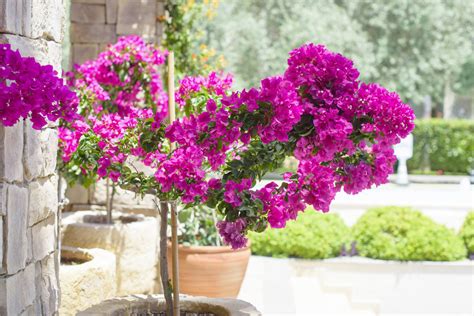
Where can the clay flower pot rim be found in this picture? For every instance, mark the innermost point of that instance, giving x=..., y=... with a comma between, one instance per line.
x=209, y=249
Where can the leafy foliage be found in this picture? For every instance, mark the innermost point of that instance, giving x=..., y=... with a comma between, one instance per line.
x=446, y=145
x=313, y=236
x=401, y=233
x=184, y=36
x=198, y=226
x=467, y=232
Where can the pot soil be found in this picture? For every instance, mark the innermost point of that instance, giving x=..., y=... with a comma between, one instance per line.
x=210, y=271
x=87, y=277
x=155, y=305
x=132, y=238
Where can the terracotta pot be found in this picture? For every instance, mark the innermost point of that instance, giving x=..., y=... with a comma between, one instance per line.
x=210, y=271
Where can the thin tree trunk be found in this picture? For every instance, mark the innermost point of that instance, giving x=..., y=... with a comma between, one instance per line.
x=165, y=279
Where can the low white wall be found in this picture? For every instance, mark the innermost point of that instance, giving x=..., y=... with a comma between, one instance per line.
x=359, y=286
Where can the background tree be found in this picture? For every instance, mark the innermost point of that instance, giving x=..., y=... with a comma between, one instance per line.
x=413, y=47
x=419, y=46
x=255, y=36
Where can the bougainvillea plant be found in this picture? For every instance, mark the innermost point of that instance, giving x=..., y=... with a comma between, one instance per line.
x=29, y=90
x=339, y=129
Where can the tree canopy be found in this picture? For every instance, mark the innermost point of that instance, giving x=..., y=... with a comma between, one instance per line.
x=413, y=47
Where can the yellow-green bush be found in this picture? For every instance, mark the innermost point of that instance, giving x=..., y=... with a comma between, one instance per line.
x=401, y=233
x=313, y=236
x=446, y=145
x=467, y=232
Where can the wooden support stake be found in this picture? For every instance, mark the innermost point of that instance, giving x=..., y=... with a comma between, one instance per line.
x=174, y=215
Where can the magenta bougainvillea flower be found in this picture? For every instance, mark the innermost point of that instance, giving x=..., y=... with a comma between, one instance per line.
x=340, y=130
x=29, y=90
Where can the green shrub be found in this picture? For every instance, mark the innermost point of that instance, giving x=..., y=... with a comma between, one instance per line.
x=446, y=145
x=313, y=236
x=398, y=233
x=467, y=232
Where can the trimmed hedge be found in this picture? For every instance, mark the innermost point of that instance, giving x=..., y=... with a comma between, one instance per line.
x=312, y=235
x=398, y=233
x=446, y=145
x=467, y=232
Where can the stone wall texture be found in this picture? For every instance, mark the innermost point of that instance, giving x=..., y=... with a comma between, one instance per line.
x=96, y=23
x=29, y=257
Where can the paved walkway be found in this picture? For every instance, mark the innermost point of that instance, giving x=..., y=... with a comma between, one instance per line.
x=445, y=203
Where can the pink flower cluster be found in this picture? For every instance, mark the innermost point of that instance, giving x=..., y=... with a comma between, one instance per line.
x=124, y=87
x=124, y=77
x=276, y=106
x=30, y=90
x=233, y=233
x=342, y=132
x=212, y=130
x=233, y=190
x=183, y=172
x=211, y=84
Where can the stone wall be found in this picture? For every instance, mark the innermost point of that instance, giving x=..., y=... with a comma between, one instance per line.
x=29, y=256
x=96, y=23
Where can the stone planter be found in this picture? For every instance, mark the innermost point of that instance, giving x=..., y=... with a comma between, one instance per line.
x=87, y=277
x=211, y=271
x=132, y=238
x=154, y=305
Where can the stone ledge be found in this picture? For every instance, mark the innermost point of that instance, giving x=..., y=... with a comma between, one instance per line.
x=87, y=283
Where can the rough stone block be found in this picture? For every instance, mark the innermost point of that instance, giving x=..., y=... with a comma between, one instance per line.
x=160, y=9
x=111, y=11
x=43, y=19
x=92, y=33
x=11, y=16
x=47, y=284
x=43, y=238
x=84, y=52
x=1, y=243
x=45, y=52
x=49, y=148
x=32, y=155
x=40, y=152
x=29, y=238
x=11, y=151
x=3, y=198
x=43, y=199
x=17, y=207
x=17, y=292
x=134, y=18
x=87, y=13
